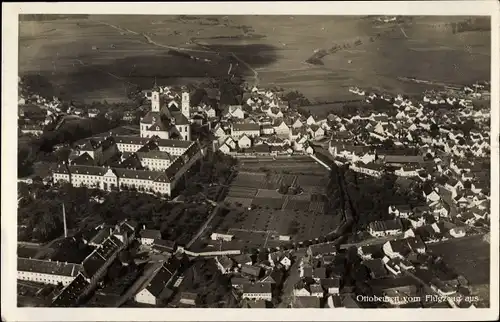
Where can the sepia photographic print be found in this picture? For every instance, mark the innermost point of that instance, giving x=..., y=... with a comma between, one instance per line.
x=260, y=155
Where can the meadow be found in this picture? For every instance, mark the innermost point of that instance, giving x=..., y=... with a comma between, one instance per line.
x=470, y=257
x=96, y=58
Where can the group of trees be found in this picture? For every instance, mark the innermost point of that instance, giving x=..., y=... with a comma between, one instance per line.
x=40, y=211
x=42, y=148
x=296, y=99
x=215, y=168
x=371, y=197
x=213, y=288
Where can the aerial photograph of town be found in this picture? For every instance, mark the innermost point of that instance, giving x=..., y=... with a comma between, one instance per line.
x=253, y=161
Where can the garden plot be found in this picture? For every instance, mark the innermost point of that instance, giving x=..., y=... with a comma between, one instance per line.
x=256, y=180
x=265, y=193
x=272, y=203
x=299, y=205
x=241, y=192
x=317, y=207
x=310, y=180
x=242, y=202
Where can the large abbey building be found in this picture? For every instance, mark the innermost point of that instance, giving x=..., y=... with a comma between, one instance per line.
x=154, y=162
x=167, y=119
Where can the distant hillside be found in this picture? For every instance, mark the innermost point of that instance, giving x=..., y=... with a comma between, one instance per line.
x=475, y=24
x=48, y=17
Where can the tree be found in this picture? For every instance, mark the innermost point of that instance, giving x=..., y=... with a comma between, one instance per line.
x=434, y=130
x=388, y=144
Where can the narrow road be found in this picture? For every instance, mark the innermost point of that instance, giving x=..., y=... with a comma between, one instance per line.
x=255, y=73
x=403, y=31
x=204, y=227
x=371, y=241
x=142, y=281
x=293, y=278
x=105, y=72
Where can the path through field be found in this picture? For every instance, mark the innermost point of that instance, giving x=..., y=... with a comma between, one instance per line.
x=103, y=71
x=149, y=40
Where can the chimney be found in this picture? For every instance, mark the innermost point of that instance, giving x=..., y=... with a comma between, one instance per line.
x=64, y=222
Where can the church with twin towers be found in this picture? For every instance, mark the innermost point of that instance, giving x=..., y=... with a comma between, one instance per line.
x=169, y=117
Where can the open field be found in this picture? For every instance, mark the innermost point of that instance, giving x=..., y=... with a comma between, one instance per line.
x=90, y=60
x=135, y=49
x=470, y=257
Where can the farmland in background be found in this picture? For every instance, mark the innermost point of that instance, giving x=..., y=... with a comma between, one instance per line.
x=95, y=58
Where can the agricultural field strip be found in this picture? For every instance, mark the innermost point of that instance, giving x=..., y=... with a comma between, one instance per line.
x=151, y=41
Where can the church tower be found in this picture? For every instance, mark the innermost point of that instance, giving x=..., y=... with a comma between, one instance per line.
x=185, y=104
x=155, y=98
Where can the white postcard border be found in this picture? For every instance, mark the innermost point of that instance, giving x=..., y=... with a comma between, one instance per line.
x=10, y=312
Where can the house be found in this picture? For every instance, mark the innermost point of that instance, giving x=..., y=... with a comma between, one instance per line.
x=243, y=259
x=311, y=302
x=92, y=112
x=306, y=270
x=316, y=290
x=416, y=244
x=331, y=285
x=148, y=236
x=157, y=288
x=457, y=232
x=256, y=304
x=442, y=288
x=316, y=132
x=267, y=129
x=188, y=298
x=240, y=129
x=396, y=248
x=209, y=111
x=224, y=263
x=297, y=124
x=230, y=142
x=274, y=276
x=376, y=268
x=281, y=129
x=33, y=129
x=234, y=111
x=301, y=290
x=237, y=282
x=251, y=271
x=367, y=251
x=219, y=131
x=350, y=302
x=398, y=295
x=319, y=273
x=334, y=301
x=401, y=211
x=47, y=271
x=392, y=265
x=164, y=246
x=224, y=148
x=279, y=258
x=72, y=293
x=310, y=120
x=221, y=236
x=322, y=249
x=385, y=228
x=244, y=142
x=257, y=291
